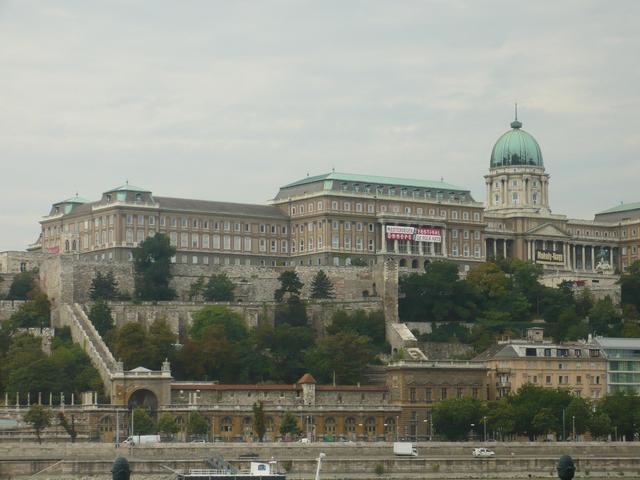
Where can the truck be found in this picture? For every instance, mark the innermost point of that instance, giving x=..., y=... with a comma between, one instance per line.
x=141, y=440
x=405, y=449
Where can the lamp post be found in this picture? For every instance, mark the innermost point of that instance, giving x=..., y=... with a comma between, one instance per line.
x=484, y=419
x=426, y=427
x=574, y=427
x=472, y=425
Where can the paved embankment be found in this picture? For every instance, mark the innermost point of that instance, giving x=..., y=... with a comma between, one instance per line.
x=343, y=460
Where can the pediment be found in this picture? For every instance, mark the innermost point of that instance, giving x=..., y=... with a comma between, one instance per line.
x=548, y=230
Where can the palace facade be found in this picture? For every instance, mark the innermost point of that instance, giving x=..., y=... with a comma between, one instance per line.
x=339, y=219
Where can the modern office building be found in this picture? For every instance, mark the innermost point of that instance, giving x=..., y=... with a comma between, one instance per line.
x=623, y=363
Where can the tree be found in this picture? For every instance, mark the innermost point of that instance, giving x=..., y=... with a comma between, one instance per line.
x=70, y=428
x=100, y=316
x=293, y=312
x=142, y=422
x=370, y=324
x=167, y=425
x=600, y=425
x=289, y=283
x=289, y=425
x=630, y=286
x=35, y=313
x=580, y=409
x=196, y=289
x=284, y=349
x=104, y=287
x=132, y=347
x=208, y=316
x=152, y=264
x=321, y=286
x=344, y=354
x=623, y=409
x=544, y=421
x=22, y=286
x=197, y=425
x=436, y=295
x=259, y=424
x=39, y=418
x=219, y=288
x=603, y=315
x=453, y=418
x=161, y=341
x=501, y=417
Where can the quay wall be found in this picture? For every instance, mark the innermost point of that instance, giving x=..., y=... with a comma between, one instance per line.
x=437, y=460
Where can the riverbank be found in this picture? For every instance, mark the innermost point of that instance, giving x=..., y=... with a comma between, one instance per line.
x=359, y=461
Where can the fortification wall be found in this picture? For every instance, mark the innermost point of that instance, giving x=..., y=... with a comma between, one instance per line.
x=68, y=279
x=8, y=308
x=179, y=314
x=5, y=283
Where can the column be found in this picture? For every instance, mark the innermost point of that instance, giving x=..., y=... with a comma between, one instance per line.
x=445, y=250
x=432, y=248
x=504, y=248
x=395, y=247
x=574, y=264
x=593, y=255
x=383, y=245
x=495, y=248
x=584, y=264
x=421, y=248
x=611, y=256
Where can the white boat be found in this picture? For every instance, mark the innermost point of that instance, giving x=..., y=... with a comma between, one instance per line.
x=257, y=471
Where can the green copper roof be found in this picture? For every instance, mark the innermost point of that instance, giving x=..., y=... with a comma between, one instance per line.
x=376, y=180
x=623, y=207
x=127, y=187
x=516, y=147
x=75, y=199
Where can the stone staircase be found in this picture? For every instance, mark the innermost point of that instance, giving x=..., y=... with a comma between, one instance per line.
x=84, y=334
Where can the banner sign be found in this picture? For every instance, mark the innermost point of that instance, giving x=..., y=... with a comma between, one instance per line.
x=417, y=234
x=547, y=256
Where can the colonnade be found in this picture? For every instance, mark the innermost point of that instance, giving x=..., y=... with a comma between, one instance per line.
x=398, y=247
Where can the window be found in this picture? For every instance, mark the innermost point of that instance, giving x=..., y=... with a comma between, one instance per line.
x=370, y=208
x=371, y=245
x=428, y=395
x=476, y=217
x=194, y=240
x=477, y=251
x=226, y=242
x=515, y=198
x=247, y=244
x=443, y=393
x=237, y=243
x=358, y=207
x=319, y=205
x=454, y=233
x=347, y=225
x=334, y=205
x=476, y=235
x=347, y=206
x=335, y=241
x=205, y=241
x=465, y=215
x=262, y=245
x=454, y=215
x=184, y=240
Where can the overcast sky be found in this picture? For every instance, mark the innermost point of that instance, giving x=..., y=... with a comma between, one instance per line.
x=228, y=100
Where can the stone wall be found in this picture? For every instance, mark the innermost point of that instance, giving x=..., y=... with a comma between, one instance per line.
x=5, y=283
x=8, y=308
x=179, y=314
x=446, y=350
x=16, y=262
x=69, y=279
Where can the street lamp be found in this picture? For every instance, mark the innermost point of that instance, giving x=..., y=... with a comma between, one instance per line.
x=472, y=425
x=574, y=427
x=484, y=419
x=426, y=427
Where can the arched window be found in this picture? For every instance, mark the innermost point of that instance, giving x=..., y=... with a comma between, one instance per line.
x=268, y=422
x=350, y=424
x=370, y=425
x=389, y=425
x=66, y=245
x=414, y=263
x=226, y=424
x=105, y=424
x=329, y=425
x=403, y=263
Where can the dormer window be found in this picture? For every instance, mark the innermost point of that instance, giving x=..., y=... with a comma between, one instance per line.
x=56, y=209
x=109, y=197
x=138, y=197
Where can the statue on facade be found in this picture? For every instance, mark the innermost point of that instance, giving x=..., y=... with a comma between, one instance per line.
x=120, y=469
x=566, y=468
x=603, y=265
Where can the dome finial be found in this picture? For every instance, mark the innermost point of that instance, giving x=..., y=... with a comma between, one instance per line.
x=516, y=124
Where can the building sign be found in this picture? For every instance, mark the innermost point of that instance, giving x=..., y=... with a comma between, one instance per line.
x=547, y=256
x=55, y=249
x=416, y=234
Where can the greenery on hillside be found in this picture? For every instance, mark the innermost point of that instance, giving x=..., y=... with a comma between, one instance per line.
x=505, y=297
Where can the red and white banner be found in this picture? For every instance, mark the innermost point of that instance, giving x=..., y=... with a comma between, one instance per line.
x=419, y=234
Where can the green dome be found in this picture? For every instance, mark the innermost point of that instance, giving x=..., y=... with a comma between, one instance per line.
x=516, y=147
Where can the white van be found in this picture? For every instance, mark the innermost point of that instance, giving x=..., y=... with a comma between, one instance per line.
x=141, y=439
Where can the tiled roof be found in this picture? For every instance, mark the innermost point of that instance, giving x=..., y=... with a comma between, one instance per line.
x=207, y=206
x=376, y=180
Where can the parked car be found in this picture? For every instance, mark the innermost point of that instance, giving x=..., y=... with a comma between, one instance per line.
x=483, y=452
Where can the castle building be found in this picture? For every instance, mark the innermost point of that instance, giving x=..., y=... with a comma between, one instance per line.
x=339, y=218
x=329, y=219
